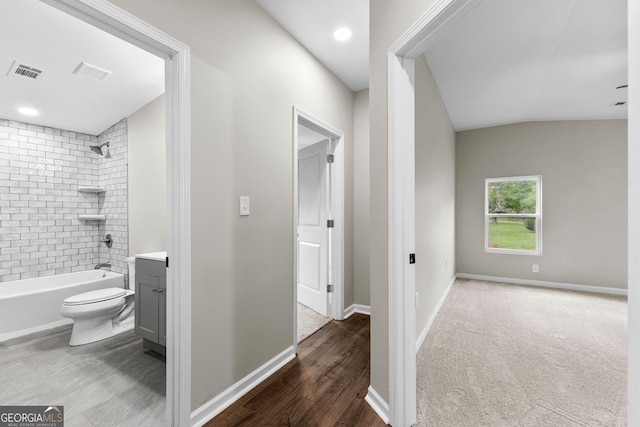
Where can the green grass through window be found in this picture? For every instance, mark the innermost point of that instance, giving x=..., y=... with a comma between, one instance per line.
x=511, y=234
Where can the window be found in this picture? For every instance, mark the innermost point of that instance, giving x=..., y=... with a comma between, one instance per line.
x=513, y=213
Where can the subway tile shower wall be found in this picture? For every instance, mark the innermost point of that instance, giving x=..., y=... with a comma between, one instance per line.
x=112, y=176
x=41, y=169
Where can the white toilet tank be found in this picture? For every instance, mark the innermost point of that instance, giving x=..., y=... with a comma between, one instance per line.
x=132, y=272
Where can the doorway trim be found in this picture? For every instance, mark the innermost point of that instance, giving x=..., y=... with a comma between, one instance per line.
x=337, y=201
x=120, y=23
x=633, y=279
x=401, y=199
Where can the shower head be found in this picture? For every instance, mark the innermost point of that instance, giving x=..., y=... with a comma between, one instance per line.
x=98, y=149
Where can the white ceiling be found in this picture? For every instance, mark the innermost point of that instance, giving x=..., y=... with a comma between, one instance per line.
x=312, y=23
x=41, y=36
x=512, y=61
x=508, y=61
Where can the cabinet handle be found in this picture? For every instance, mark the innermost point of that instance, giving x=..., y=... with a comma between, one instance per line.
x=160, y=290
x=155, y=290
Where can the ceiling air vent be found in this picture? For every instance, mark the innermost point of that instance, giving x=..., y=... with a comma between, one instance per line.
x=91, y=72
x=20, y=69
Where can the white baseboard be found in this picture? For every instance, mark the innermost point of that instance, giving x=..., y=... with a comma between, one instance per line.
x=203, y=414
x=543, y=284
x=378, y=404
x=423, y=334
x=357, y=308
x=28, y=331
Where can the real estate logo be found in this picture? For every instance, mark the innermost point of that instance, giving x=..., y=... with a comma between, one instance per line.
x=31, y=416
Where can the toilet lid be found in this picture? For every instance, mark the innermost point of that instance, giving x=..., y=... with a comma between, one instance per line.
x=95, y=296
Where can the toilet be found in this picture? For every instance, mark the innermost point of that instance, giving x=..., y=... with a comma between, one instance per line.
x=101, y=314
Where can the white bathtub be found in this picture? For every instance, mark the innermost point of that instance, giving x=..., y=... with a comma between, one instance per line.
x=32, y=305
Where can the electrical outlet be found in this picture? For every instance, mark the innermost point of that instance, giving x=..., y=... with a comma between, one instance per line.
x=535, y=268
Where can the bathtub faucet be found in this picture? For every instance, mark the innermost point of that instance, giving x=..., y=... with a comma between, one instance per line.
x=102, y=264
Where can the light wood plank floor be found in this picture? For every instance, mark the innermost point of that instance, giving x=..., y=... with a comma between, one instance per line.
x=324, y=385
x=110, y=383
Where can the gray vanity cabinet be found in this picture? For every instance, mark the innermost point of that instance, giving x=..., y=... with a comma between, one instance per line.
x=150, y=319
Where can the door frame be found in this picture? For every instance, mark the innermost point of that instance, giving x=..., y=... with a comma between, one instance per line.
x=336, y=189
x=401, y=202
x=122, y=24
x=633, y=279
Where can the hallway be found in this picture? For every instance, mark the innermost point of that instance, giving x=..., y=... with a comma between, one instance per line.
x=324, y=385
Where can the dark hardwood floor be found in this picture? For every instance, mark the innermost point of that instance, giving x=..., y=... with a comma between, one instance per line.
x=324, y=385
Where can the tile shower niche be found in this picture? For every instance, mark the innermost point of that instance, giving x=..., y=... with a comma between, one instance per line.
x=96, y=191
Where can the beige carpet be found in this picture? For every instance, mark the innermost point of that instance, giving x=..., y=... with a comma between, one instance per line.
x=309, y=321
x=507, y=355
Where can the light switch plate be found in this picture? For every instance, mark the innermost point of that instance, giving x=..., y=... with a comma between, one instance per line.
x=244, y=206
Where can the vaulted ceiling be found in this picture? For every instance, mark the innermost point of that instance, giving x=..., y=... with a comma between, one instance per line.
x=513, y=61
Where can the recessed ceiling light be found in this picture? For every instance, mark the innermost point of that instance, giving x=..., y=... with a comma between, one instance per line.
x=27, y=111
x=342, y=34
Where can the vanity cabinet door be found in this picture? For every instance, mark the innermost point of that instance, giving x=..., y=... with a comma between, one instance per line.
x=151, y=295
x=147, y=299
x=162, y=311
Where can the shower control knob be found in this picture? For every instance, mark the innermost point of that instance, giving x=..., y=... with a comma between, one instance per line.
x=108, y=241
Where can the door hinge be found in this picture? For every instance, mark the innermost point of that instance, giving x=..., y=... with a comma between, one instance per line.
x=330, y=158
x=412, y=258
x=330, y=223
x=329, y=288
x=167, y=261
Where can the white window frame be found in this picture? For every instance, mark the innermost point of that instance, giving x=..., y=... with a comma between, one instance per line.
x=537, y=215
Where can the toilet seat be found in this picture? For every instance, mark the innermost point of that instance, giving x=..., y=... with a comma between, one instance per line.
x=100, y=314
x=104, y=305
x=95, y=296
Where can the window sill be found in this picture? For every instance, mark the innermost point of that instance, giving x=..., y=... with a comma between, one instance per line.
x=512, y=252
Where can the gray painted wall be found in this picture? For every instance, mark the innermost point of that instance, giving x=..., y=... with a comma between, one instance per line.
x=584, y=199
x=147, y=179
x=247, y=74
x=361, y=197
x=435, y=196
x=388, y=20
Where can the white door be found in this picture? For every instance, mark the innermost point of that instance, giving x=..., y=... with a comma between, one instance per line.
x=313, y=236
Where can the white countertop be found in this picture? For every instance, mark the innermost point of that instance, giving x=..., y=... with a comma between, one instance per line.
x=156, y=256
